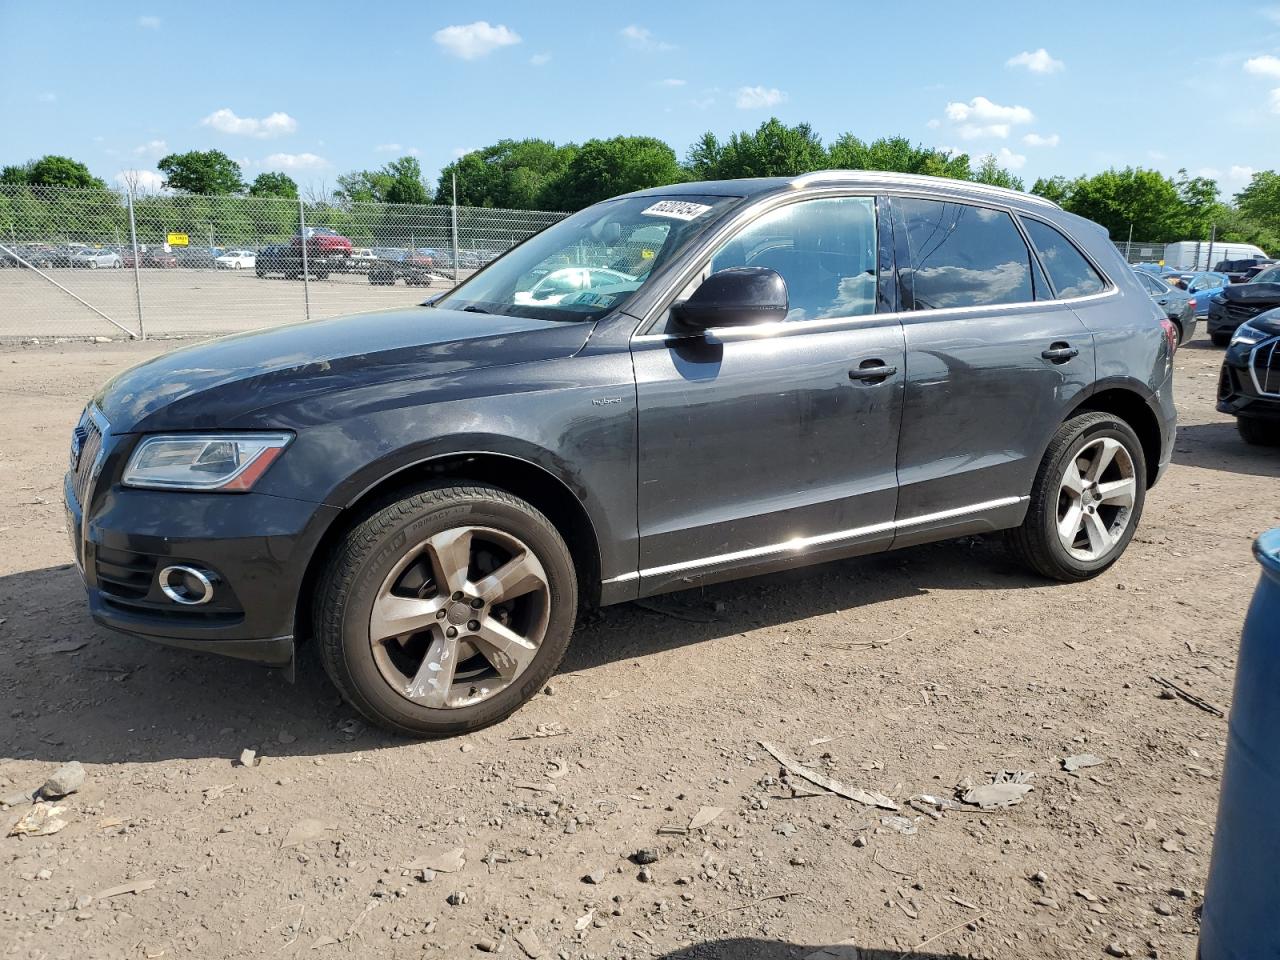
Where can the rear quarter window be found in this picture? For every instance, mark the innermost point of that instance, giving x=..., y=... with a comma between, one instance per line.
x=1068, y=270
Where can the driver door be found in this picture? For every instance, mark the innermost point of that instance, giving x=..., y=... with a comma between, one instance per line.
x=760, y=446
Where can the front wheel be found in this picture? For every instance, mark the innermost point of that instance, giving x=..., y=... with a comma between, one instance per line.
x=1086, y=501
x=445, y=611
x=1259, y=433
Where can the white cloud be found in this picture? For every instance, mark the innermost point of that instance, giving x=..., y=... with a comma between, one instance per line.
x=474, y=40
x=459, y=152
x=981, y=117
x=1040, y=140
x=754, y=98
x=540, y=59
x=273, y=125
x=1264, y=66
x=47, y=97
x=149, y=23
x=1007, y=158
x=1239, y=174
x=703, y=103
x=671, y=82
x=144, y=181
x=1213, y=173
x=154, y=148
x=295, y=161
x=397, y=148
x=642, y=38
x=934, y=123
x=1157, y=155
x=1037, y=61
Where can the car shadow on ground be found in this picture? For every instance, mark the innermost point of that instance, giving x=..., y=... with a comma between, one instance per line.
x=1219, y=446
x=75, y=690
x=749, y=948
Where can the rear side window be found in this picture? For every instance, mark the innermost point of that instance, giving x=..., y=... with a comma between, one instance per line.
x=1070, y=272
x=962, y=256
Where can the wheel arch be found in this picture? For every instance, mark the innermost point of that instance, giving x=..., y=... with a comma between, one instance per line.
x=518, y=476
x=1131, y=406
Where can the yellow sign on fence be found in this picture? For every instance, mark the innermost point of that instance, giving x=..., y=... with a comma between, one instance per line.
x=178, y=240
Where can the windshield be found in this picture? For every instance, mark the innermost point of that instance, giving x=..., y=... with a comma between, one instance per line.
x=1269, y=275
x=590, y=263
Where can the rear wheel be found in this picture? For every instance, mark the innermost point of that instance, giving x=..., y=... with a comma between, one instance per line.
x=1086, y=501
x=445, y=611
x=1260, y=433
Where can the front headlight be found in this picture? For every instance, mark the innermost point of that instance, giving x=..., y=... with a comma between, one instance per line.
x=214, y=462
x=1248, y=335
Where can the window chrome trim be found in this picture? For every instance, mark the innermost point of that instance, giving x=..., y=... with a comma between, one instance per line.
x=798, y=544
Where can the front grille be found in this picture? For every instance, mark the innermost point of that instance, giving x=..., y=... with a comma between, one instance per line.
x=1240, y=312
x=86, y=444
x=1264, y=367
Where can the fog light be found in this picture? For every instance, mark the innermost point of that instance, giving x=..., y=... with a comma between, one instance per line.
x=186, y=585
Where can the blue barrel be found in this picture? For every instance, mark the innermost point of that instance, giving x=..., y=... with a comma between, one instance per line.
x=1241, y=916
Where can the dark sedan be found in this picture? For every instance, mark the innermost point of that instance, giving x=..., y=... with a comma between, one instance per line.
x=1178, y=305
x=1249, y=387
x=1239, y=302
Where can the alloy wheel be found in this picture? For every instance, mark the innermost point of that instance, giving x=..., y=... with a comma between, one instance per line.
x=1096, y=498
x=460, y=617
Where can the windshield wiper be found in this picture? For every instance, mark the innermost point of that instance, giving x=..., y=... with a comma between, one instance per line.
x=472, y=308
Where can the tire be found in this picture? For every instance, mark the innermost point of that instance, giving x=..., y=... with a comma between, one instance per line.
x=1220, y=339
x=1038, y=543
x=1259, y=433
x=387, y=682
x=236, y=265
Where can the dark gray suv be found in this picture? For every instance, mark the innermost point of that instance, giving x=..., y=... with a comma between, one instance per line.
x=681, y=385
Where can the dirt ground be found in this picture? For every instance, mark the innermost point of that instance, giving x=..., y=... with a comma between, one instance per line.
x=976, y=668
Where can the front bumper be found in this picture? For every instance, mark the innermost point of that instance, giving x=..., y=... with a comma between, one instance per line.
x=1225, y=317
x=1244, y=369
x=255, y=547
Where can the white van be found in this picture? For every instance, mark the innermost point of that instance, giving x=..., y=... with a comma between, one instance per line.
x=1197, y=254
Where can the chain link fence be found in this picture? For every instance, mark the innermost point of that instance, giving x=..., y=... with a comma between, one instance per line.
x=84, y=263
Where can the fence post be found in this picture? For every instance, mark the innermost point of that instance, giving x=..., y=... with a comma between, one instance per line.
x=1128, y=247
x=455, y=228
x=137, y=271
x=306, y=278
x=1213, y=235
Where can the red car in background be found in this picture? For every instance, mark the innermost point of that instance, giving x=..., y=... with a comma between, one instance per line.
x=150, y=258
x=323, y=242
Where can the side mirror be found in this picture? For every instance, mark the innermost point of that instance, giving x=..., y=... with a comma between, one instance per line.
x=734, y=297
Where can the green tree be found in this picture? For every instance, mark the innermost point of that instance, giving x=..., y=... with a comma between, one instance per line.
x=51, y=171
x=1260, y=200
x=1198, y=197
x=363, y=186
x=703, y=159
x=773, y=150
x=605, y=168
x=404, y=182
x=1057, y=189
x=989, y=171
x=514, y=174
x=274, y=185
x=204, y=172
x=1117, y=198
x=897, y=154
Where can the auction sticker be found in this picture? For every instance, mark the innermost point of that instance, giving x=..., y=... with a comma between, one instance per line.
x=676, y=209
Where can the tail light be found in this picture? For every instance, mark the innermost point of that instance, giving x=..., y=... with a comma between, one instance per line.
x=1192, y=303
x=1170, y=334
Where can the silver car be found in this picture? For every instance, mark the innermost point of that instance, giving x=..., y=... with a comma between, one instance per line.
x=95, y=259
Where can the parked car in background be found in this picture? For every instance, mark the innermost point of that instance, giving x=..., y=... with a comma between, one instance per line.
x=1249, y=387
x=323, y=243
x=1239, y=270
x=156, y=257
x=236, y=260
x=361, y=260
x=286, y=260
x=27, y=255
x=197, y=258
x=96, y=259
x=1201, y=286
x=431, y=494
x=1238, y=302
x=1178, y=305
x=414, y=269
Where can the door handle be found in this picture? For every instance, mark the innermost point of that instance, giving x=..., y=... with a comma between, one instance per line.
x=1060, y=353
x=872, y=371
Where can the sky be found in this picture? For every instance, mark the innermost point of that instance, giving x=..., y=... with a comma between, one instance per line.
x=318, y=88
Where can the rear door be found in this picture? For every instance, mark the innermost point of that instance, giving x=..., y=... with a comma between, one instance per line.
x=993, y=364
x=758, y=445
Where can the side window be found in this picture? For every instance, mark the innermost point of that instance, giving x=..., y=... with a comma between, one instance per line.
x=1070, y=272
x=962, y=256
x=1153, y=286
x=825, y=249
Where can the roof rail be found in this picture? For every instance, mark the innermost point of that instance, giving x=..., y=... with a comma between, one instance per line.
x=917, y=179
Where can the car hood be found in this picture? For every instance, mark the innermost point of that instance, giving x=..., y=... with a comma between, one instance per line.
x=1268, y=322
x=1252, y=293
x=208, y=386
